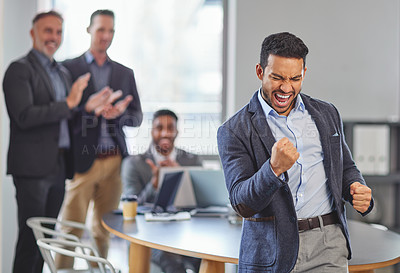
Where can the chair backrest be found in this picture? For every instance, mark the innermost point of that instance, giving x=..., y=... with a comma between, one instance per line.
x=47, y=246
x=42, y=227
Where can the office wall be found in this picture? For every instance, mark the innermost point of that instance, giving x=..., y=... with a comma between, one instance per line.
x=354, y=51
x=15, y=42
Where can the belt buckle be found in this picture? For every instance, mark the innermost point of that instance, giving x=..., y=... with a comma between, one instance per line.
x=310, y=221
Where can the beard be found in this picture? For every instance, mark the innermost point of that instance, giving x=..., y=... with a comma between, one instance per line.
x=164, y=146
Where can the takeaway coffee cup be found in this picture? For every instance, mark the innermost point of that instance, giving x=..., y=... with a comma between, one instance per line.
x=129, y=207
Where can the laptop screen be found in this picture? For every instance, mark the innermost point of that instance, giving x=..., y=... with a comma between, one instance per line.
x=167, y=192
x=209, y=188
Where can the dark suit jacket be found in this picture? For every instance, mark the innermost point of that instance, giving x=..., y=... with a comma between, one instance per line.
x=34, y=117
x=270, y=237
x=85, y=126
x=136, y=173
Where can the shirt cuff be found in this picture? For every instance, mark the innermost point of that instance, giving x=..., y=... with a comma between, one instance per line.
x=281, y=177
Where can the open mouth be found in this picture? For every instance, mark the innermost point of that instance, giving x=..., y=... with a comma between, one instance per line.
x=51, y=45
x=165, y=144
x=282, y=100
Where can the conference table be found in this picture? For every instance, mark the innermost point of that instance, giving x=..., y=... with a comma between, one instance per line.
x=216, y=242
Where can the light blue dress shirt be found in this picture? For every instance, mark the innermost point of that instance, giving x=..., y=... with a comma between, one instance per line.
x=307, y=178
x=60, y=93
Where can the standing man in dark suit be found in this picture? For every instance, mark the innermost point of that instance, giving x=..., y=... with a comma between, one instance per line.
x=39, y=100
x=140, y=177
x=98, y=138
x=288, y=170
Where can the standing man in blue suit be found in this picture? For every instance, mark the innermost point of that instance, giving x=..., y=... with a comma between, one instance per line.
x=98, y=138
x=289, y=170
x=39, y=100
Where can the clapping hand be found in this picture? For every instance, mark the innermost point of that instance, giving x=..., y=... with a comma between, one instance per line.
x=97, y=101
x=75, y=94
x=155, y=170
x=101, y=103
x=113, y=111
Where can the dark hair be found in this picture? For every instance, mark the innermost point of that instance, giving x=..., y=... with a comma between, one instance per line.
x=101, y=12
x=165, y=112
x=45, y=14
x=283, y=44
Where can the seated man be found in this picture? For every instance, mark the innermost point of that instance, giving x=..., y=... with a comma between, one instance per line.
x=139, y=174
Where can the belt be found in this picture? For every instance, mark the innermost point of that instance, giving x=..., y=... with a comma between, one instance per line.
x=108, y=153
x=310, y=223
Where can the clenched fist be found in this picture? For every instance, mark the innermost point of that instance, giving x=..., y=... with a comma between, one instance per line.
x=283, y=156
x=361, y=196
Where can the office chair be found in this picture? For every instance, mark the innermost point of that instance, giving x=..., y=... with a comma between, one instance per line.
x=61, y=246
x=41, y=229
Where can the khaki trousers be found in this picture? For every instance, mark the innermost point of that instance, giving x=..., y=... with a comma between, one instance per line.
x=100, y=184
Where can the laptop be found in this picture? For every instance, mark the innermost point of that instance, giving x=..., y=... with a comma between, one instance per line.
x=200, y=190
x=185, y=197
x=209, y=188
x=167, y=192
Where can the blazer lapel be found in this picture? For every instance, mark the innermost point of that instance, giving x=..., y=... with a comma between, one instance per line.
x=114, y=77
x=84, y=68
x=260, y=123
x=43, y=74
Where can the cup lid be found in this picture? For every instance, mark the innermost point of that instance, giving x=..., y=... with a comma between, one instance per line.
x=129, y=198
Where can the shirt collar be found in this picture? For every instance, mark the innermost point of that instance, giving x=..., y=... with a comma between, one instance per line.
x=90, y=58
x=159, y=157
x=268, y=110
x=44, y=60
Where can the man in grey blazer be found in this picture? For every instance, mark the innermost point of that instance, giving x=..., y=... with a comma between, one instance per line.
x=139, y=174
x=39, y=100
x=288, y=170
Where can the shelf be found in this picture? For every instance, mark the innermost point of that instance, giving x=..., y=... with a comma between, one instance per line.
x=392, y=178
x=374, y=143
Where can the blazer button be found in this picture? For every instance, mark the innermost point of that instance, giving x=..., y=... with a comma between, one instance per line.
x=293, y=219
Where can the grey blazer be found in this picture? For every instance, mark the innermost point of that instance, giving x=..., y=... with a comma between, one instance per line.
x=270, y=237
x=136, y=173
x=35, y=117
